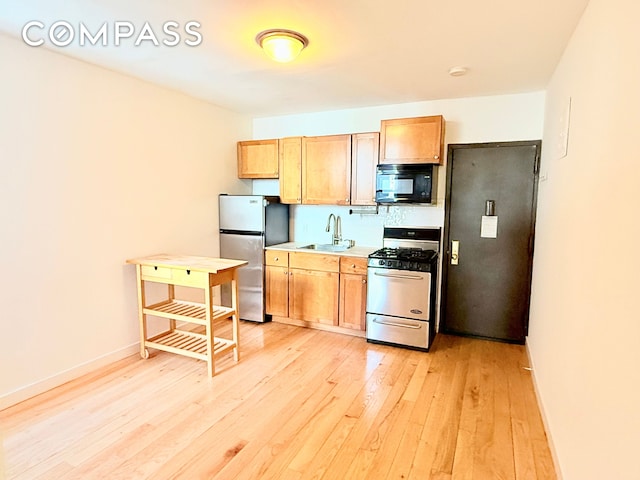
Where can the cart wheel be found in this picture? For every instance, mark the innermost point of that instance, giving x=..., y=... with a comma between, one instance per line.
x=145, y=355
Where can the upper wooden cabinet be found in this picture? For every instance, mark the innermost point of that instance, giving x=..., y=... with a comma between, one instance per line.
x=412, y=140
x=290, y=152
x=364, y=158
x=329, y=170
x=326, y=170
x=258, y=159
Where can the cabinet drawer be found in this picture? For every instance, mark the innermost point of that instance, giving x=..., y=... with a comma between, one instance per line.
x=276, y=258
x=156, y=272
x=189, y=278
x=353, y=265
x=176, y=276
x=314, y=261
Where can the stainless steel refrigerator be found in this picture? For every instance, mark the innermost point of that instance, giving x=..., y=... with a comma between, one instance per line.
x=248, y=223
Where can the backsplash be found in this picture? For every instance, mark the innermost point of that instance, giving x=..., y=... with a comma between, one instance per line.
x=308, y=222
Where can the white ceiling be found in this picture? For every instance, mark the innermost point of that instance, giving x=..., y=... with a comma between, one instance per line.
x=361, y=52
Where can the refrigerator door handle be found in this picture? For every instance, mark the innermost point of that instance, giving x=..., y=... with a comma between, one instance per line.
x=242, y=232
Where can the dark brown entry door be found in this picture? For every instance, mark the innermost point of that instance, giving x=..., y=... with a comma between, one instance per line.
x=490, y=213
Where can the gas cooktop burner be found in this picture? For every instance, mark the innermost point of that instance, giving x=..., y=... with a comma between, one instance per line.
x=404, y=259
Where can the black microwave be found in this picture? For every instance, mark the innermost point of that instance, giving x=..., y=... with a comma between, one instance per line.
x=406, y=183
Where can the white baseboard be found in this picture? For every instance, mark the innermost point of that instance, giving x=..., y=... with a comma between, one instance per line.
x=29, y=391
x=543, y=414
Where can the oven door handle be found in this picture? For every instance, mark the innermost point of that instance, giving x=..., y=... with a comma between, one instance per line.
x=394, y=324
x=399, y=275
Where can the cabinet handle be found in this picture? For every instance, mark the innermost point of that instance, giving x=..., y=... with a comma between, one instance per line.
x=436, y=157
x=364, y=281
x=286, y=273
x=276, y=259
x=353, y=266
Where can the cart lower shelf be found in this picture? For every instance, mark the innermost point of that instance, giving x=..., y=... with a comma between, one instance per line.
x=190, y=344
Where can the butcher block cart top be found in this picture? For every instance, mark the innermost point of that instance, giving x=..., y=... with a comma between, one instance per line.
x=188, y=271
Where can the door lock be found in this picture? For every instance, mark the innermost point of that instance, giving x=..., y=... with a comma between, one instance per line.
x=455, y=244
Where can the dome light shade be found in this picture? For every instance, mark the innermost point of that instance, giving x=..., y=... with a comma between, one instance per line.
x=282, y=45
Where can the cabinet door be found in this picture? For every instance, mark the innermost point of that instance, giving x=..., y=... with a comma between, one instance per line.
x=326, y=170
x=258, y=159
x=412, y=140
x=364, y=158
x=290, y=152
x=353, y=301
x=277, y=291
x=313, y=296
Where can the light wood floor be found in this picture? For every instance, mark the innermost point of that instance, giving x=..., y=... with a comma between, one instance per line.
x=301, y=404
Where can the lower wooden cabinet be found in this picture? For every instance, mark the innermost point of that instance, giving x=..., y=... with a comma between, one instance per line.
x=277, y=288
x=310, y=289
x=353, y=292
x=276, y=275
x=313, y=296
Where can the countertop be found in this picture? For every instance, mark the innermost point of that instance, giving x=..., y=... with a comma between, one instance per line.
x=204, y=264
x=357, y=251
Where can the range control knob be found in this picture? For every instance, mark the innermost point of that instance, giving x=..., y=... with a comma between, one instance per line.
x=381, y=262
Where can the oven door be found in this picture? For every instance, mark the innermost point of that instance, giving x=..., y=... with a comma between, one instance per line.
x=399, y=293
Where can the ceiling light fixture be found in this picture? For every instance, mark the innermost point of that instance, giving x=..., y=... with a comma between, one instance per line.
x=458, y=71
x=282, y=45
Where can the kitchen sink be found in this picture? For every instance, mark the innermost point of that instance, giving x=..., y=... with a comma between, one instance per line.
x=325, y=247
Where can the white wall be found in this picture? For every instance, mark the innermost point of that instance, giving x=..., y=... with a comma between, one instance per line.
x=468, y=120
x=97, y=167
x=585, y=325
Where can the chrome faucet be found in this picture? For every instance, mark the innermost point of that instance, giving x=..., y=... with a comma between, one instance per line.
x=337, y=228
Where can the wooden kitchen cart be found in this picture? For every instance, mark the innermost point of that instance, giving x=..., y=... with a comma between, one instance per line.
x=188, y=271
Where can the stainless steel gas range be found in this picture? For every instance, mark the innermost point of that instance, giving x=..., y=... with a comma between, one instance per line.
x=401, y=288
